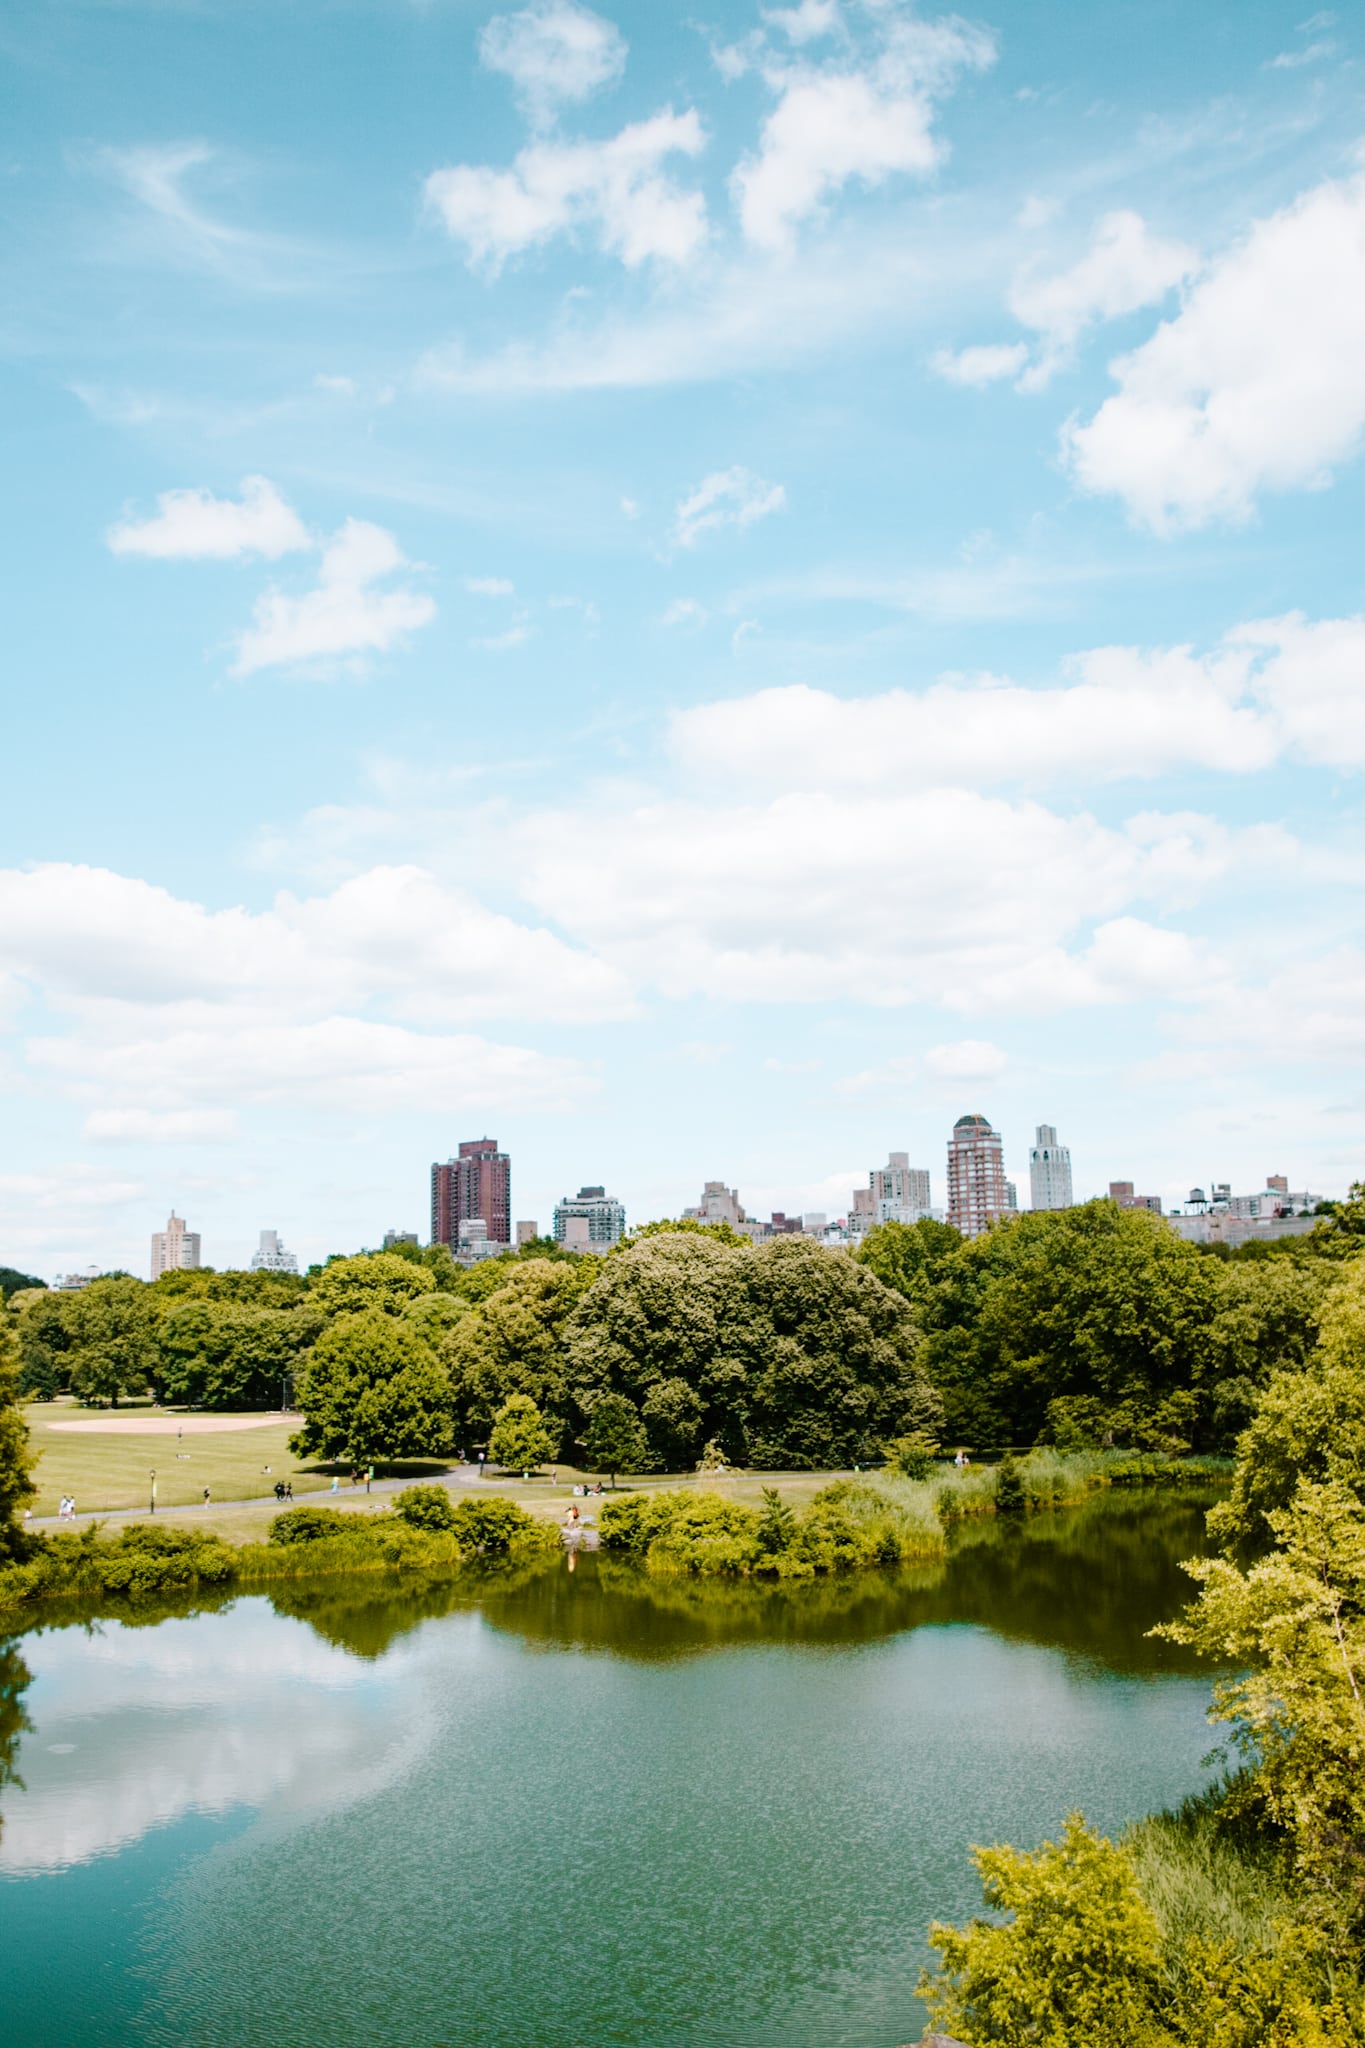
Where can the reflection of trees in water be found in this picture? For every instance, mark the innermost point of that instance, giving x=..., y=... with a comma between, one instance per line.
x=1089, y=1581
x=365, y=1614
x=15, y=1678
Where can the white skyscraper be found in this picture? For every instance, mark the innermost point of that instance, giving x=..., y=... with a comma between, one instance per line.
x=1049, y=1171
x=271, y=1257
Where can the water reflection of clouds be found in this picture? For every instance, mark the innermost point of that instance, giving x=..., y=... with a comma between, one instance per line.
x=135, y=1728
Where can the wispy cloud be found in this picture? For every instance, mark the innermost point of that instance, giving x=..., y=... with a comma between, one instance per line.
x=727, y=497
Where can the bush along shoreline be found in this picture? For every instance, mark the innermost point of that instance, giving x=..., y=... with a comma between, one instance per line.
x=875, y=1519
x=426, y=1533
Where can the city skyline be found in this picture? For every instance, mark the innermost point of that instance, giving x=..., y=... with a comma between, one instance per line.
x=895, y=1192
x=702, y=660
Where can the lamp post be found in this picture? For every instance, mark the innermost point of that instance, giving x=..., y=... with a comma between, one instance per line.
x=152, y=1509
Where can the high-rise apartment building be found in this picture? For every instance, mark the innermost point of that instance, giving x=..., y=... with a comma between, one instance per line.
x=174, y=1249
x=604, y=1216
x=978, y=1194
x=900, y=1191
x=270, y=1255
x=477, y=1183
x=718, y=1204
x=1049, y=1170
x=1121, y=1191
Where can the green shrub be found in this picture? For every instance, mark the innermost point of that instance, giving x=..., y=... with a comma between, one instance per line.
x=499, y=1527
x=426, y=1507
x=1010, y=1497
x=310, y=1525
x=633, y=1522
x=913, y=1456
x=152, y=1560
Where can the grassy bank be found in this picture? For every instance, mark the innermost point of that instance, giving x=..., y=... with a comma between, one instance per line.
x=789, y=1527
x=876, y=1518
x=425, y=1533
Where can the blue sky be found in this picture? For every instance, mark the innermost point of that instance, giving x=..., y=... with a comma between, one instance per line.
x=698, y=591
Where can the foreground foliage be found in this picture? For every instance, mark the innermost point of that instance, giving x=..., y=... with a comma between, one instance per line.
x=1239, y=1923
x=1101, y=1945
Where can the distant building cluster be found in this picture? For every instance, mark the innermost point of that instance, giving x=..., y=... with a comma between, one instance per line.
x=471, y=1206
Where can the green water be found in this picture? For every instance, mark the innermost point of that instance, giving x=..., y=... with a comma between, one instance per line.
x=572, y=1807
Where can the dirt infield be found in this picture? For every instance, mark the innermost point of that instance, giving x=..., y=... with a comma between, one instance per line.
x=168, y=1425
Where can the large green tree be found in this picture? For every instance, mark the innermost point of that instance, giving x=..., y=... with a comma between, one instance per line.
x=614, y=1440
x=16, y=1459
x=1094, y=1305
x=223, y=1356
x=372, y=1387
x=46, y=1330
x=512, y=1342
x=371, y=1280
x=786, y=1354
x=113, y=1349
x=1308, y=1424
x=520, y=1439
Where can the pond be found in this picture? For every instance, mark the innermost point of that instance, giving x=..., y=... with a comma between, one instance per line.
x=573, y=1806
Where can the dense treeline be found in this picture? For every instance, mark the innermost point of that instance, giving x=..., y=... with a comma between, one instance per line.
x=1238, y=1922
x=1081, y=1328
x=1091, y=1325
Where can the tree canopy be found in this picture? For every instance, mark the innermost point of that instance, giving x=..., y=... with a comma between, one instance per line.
x=787, y=1354
x=372, y=1387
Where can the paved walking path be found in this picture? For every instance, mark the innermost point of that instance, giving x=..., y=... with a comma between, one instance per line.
x=347, y=1496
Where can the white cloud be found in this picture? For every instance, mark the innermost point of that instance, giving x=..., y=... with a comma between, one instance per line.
x=1274, y=689
x=1311, y=683
x=684, y=611
x=806, y=22
x=966, y=1059
x=193, y=525
x=555, y=53
x=1258, y=383
x=504, y=643
x=863, y=121
x=1125, y=268
x=168, y=1019
x=1127, y=714
x=1312, y=53
x=340, y=387
x=986, y=363
x=825, y=896
x=630, y=508
x=490, y=586
x=346, y=1064
x=161, y=1127
x=97, y=940
x=345, y=615
x=616, y=192
x=728, y=497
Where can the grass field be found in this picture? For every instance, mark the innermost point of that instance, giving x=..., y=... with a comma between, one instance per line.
x=114, y=1470
x=110, y=1473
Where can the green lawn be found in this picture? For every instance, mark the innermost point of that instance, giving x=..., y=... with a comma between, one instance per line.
x=114, y=1470
x=111, y=1474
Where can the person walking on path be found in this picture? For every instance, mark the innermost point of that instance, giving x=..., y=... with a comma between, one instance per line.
x=206, y=1496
